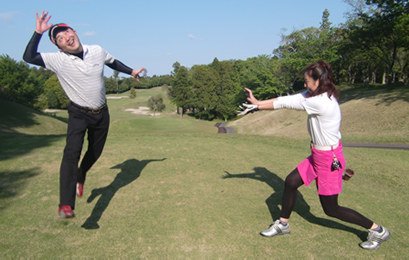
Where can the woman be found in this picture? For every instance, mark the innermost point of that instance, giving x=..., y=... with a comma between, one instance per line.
x=326, y=163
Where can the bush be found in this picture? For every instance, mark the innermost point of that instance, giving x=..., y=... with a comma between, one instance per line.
x=156, y=104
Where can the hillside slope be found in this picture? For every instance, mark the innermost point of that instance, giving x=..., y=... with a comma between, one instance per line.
x=16, y=118
x=371, y=114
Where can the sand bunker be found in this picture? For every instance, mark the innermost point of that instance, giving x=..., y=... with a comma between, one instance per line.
x=116, y=97
x=141, y=111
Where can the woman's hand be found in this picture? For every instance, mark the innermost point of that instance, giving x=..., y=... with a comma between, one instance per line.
x=247, y=108
x=250, y=96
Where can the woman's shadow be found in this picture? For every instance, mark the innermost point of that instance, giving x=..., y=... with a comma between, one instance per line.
x=301, y=206
x=130, y=170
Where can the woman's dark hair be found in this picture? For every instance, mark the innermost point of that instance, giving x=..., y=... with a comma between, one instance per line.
x=322, y=71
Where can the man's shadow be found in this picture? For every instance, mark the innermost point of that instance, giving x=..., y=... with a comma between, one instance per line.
x=130, y=170
x=301, y=206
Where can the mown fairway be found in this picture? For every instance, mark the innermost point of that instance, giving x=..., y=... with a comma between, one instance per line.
x=172, y=188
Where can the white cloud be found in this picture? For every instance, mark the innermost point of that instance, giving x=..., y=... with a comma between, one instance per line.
x=89, y=34
x=8, y=16
x=193, y=37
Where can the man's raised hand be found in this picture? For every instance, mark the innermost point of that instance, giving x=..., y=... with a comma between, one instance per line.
x=41, y=22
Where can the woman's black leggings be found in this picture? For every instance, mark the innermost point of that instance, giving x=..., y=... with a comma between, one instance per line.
x=328, y=203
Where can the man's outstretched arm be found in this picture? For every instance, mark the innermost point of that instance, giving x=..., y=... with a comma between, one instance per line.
x=119, y=66
x=31, y=55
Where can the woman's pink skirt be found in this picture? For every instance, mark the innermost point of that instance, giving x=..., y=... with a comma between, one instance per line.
x=318, y=166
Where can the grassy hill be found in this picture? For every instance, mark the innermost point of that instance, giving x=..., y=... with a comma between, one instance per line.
x=23, y=130
x=369, y=114
x=16, y=118
x=172, y=188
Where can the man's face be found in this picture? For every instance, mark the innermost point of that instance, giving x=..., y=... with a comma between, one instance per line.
x=68, y=41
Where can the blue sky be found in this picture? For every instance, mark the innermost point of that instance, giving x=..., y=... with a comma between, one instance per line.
x=155, y=34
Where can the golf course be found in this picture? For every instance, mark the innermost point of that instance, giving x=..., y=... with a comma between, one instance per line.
x=171, y=187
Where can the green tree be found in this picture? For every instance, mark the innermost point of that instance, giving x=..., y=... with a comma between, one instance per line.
x=383, y=35
x=17, y=82
x=53, y=95
x=116, y=78
x=126, y=84
x=180, y=92
x=325, y=22
x=391, y=7
x=297, y=50
x=132, y=93
x=156, y=104
x=302, y=47
x=110, y=85
x=175, y=67
x=227, y=90
x=204, y=82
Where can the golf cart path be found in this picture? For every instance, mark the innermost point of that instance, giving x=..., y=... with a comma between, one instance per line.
x=377, y=145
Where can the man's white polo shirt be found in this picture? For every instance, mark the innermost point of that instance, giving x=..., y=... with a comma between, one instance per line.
x=82, y=80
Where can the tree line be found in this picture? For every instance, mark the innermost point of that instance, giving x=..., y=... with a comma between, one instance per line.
x=371, y=47
x=39, y=88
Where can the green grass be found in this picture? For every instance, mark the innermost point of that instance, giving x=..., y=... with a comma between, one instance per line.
x=171, y=188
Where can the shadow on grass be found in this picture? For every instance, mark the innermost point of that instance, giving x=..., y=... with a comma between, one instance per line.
x=130, y=170
x=17, y=144
x=54, y=115
x=13, y=182
x=13, y=143
x=301, y=207
x=387, y=93
x=14, y=115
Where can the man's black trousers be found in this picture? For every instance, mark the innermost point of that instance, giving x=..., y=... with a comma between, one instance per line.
x=81, y=120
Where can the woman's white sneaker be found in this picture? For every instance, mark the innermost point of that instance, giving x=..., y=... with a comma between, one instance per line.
x=277, y=228
x=375, y=239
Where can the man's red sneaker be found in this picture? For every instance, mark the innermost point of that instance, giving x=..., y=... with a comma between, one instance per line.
x=65, y=211
x=80, y=189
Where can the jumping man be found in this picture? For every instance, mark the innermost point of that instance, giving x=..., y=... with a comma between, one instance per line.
x=80, y=71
